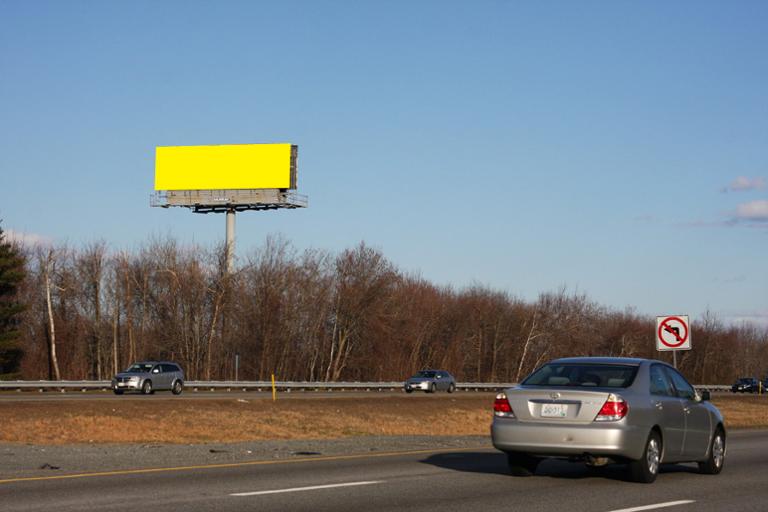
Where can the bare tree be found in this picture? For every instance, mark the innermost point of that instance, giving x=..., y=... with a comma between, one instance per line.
x=90, y=266
x=47, y=262
x=316, y=315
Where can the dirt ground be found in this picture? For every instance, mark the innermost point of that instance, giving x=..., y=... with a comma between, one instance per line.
x=237, y=420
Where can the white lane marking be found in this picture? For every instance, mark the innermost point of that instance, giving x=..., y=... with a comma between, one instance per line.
x=311, y=488
x=654, y=507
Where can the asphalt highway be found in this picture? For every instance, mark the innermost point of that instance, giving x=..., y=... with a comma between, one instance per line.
x=452, y=480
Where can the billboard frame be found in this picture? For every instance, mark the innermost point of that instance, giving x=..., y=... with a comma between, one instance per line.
x=232, y=200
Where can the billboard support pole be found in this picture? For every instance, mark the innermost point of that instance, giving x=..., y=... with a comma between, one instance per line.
x=230, y=240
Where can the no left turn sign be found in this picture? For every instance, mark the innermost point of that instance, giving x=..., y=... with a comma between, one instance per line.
x=673, y=333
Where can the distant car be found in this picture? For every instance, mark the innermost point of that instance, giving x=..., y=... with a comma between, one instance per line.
x=602, y=410
x=746, y=385
x=148, y=377
x=431, y=381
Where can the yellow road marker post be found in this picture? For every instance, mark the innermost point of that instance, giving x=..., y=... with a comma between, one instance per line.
x=274, y=389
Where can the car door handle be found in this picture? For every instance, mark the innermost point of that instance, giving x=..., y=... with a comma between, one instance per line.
x=687, y=410
x=659, y=405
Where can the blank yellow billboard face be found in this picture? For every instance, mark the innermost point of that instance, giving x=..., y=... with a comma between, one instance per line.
x=243, y=166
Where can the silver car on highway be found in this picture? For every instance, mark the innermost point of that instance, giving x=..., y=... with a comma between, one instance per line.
x=431, y=381
x=601, y=410
x=148, y=377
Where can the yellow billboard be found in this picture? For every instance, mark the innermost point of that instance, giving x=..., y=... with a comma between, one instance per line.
x=240, y=166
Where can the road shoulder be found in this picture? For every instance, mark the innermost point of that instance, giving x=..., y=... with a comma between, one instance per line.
x=27, y=460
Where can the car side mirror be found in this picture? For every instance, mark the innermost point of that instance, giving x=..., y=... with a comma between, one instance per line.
x=156, y=370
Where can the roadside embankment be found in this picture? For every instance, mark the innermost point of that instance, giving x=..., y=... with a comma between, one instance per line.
x=235, y=420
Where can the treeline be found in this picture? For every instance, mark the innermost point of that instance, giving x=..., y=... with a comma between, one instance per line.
x=317, y=316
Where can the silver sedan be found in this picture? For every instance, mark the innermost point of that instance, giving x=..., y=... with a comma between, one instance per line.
x=602, y=410
x=431, y=381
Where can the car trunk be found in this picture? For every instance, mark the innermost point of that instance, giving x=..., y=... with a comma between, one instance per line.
x=556, y=405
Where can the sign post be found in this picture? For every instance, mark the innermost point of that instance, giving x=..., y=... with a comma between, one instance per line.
x=673, y=333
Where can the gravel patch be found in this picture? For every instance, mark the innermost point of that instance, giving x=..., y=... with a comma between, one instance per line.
x=26, y=460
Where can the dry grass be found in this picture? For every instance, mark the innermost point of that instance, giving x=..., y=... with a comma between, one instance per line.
x=230, y=420
x=744, y=411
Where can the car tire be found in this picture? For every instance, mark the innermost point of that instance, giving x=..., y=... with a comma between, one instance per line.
x=177, y=387
x=408, y=390
x=716, y=459
x=645, y=470
x=118, y=391
x=146, y=388
x=522, y=464
x=452, y=388
x=433, y=388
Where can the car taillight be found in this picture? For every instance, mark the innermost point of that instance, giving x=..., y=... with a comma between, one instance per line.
x=614, y=409
x=501, y=407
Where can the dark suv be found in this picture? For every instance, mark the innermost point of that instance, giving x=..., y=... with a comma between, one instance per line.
x=148, y=377
x=746, y=385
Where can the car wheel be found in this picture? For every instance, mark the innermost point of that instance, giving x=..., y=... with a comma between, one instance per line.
x=177, y=388
x=118, y=391
x=646, y=469
x=452, y=388
x=408, y=390
x=432, y=388
x=522, y=464
x=147, y=387
x=714, y=463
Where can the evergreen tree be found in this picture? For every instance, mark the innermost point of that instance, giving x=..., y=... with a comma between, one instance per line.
x=11, y=275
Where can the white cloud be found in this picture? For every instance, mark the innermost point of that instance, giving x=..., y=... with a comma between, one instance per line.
x=758, y=318
x=28, y=239
x=753, y=211
x=742, y=183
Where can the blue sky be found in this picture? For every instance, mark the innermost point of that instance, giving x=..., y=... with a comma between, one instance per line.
x=619, y=149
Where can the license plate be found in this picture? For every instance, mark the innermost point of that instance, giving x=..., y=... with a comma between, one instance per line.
x=554, y=410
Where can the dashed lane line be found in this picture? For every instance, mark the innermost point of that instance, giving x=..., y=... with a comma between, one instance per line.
x=310, y=488
x=655, y=506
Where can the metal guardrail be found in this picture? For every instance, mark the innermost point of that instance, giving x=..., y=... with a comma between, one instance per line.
x=289, y=386
x=285, y=386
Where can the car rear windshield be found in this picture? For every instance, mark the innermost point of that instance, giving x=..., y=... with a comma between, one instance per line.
x=586, y=375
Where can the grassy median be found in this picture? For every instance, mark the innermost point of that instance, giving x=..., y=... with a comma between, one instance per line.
x=233, y=420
